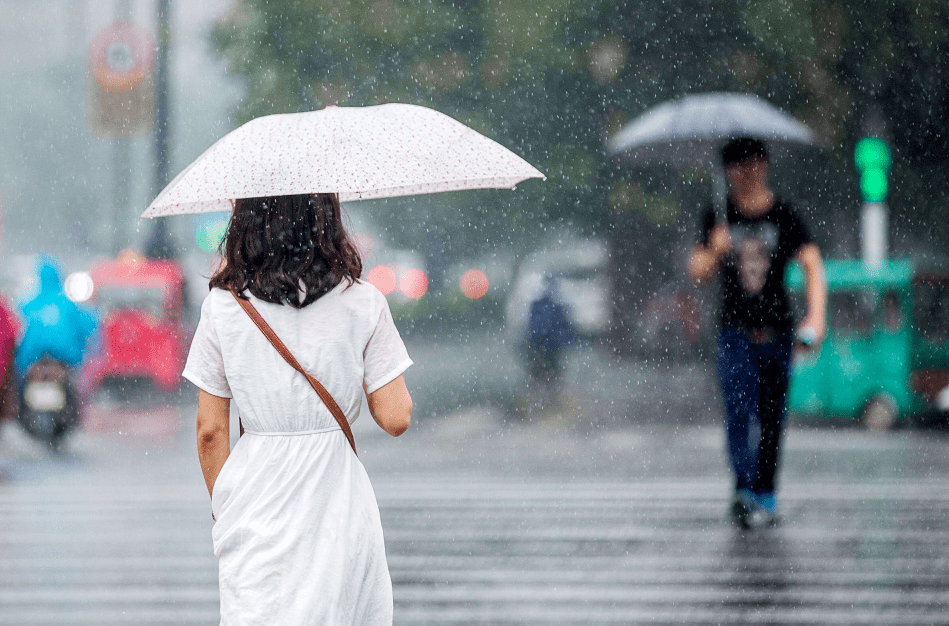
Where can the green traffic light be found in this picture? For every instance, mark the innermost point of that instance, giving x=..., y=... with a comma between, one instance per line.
x=873, y=158
x=873, y=185
x=872, y=153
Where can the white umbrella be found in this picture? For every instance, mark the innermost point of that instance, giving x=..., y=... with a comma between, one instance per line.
x=357, y=152
x=691, y=131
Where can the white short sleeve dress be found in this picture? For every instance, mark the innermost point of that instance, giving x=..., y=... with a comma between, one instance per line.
x=298, y=534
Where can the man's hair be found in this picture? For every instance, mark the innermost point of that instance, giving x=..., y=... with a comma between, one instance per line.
x=287, y=249
x=742, y=149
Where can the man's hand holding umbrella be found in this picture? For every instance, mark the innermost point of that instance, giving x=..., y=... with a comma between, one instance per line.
x=705, y=260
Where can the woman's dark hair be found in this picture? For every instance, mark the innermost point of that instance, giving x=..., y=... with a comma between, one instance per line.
x=280, y=247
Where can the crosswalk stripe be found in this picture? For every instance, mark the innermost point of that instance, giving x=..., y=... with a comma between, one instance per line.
x=496, y=552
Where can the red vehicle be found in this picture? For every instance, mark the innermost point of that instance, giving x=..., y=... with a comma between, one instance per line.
x=9, y=329
x=140, y=304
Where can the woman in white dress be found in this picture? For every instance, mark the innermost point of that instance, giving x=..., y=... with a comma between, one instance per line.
x=297, y=531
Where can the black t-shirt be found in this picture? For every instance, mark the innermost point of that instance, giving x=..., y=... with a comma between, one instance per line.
x=753, y=294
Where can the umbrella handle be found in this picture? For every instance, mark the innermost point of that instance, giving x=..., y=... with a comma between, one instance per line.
x=719, y=192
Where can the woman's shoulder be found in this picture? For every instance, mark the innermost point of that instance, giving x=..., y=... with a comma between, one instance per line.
x=216, y=301
x=359, y=295
x=217, y=295
x=362, y=290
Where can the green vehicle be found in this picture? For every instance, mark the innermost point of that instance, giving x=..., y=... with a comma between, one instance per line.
x=886, y=357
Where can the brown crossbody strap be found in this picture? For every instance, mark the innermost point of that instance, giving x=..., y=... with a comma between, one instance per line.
x=289, y=358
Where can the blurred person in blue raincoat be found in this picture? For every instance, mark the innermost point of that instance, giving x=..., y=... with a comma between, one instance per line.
x=55, y=325
x=549, y=331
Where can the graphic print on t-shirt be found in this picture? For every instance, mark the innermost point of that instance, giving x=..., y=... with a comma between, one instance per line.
x=755, y=245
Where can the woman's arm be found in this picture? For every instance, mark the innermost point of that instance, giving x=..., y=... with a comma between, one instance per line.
x=391, y=406
x=214, y=435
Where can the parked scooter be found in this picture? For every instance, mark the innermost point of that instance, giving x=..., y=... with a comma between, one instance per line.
x=49, y=401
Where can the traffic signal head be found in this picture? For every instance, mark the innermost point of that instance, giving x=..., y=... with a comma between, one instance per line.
x=873, y=159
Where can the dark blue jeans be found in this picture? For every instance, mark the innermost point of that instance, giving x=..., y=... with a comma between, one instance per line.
x=754, y=380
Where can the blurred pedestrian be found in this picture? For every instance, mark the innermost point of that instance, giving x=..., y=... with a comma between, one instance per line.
x=55, y=326
x=549, y=331
x=750, y=253
x=297, y=532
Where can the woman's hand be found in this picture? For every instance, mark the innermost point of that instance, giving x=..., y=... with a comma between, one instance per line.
x=214, y=435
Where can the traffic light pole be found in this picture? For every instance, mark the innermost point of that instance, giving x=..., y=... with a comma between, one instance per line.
x=121, y=166
x=874, y=226
x=121, y=191
x=160, y=243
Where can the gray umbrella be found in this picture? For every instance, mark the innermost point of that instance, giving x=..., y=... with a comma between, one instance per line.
x=690, y=132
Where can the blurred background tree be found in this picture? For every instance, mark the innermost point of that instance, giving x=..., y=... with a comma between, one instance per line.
x=831, y=62
x=551, y=79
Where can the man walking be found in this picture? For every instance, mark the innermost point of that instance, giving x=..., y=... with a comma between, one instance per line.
x=750, y=253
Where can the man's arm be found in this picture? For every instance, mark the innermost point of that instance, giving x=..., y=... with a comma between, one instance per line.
x=816, y=292
x=704, y=260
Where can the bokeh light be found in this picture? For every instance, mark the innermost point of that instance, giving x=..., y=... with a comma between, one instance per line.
x=383, y=278
x=413, y=283
x=608, y=57
x=79, y=286
x=129, y=257
x=474, y=284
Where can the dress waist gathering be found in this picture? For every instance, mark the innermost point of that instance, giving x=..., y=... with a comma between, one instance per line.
x=292, y=433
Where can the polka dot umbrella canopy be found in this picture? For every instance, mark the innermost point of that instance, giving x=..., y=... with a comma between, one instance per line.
x=358, y=152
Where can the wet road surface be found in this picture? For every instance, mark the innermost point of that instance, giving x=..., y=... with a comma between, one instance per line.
x=554, y=518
